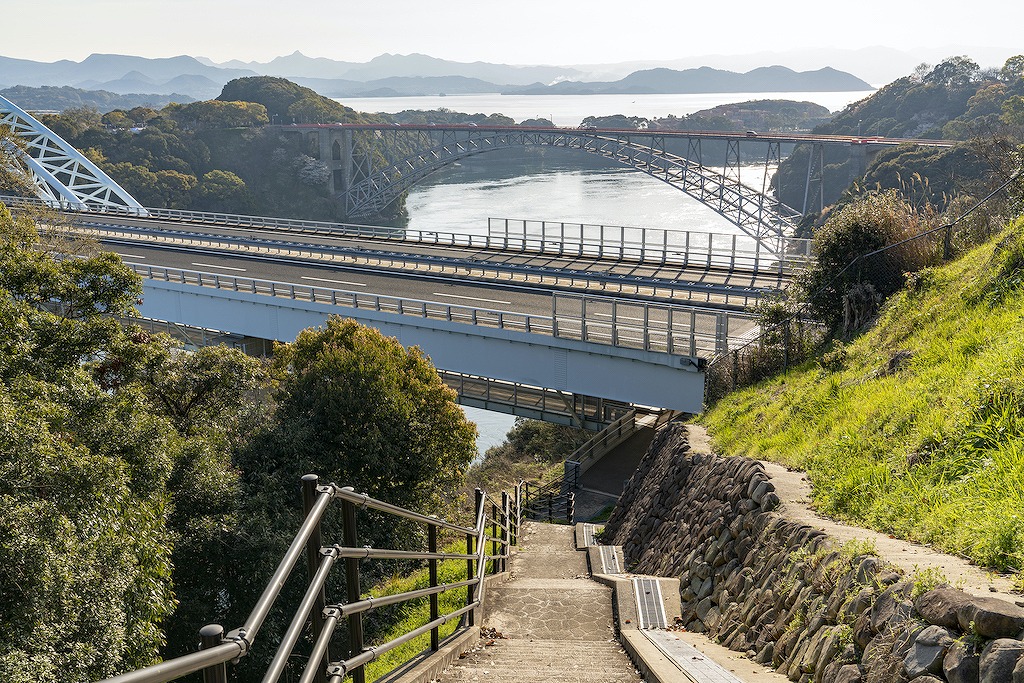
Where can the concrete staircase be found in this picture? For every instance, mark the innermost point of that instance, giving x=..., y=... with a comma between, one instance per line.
x=549, y=622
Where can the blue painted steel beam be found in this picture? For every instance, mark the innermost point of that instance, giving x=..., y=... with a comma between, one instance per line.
x=621, y=374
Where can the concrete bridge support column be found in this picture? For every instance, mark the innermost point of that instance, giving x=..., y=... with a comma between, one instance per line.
x=336, y=152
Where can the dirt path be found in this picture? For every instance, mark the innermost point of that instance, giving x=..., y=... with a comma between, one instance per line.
x=794, y=490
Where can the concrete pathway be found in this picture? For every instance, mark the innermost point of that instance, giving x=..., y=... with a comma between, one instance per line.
x=549, y=622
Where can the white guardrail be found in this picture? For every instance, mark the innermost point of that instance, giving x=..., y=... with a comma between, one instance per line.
x=660, y=328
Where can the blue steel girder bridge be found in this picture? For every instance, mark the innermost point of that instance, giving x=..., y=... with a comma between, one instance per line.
x=373, y=165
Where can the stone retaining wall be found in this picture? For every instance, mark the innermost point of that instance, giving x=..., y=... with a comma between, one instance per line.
x=787, y=595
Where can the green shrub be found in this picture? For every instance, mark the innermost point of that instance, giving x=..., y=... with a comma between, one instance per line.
x=865, y=225
x=834, y=359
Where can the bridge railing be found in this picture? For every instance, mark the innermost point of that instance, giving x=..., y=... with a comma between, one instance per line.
x=495, y=528
x=683, y=248
x=660, y=328
x=666, y=328
x=686, y=248
x=588, y=412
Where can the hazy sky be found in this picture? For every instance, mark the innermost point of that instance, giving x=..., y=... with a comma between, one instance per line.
x=516, y=32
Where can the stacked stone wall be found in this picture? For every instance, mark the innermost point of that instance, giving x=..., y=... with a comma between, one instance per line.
x=788, y=596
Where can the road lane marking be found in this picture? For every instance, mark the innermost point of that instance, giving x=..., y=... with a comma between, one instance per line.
x=130, y=256
x=214, y=265
x=339, y=282
x=472, y=298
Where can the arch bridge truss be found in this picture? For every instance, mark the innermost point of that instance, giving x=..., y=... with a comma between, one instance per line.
x=62, y=175
x=388, y=160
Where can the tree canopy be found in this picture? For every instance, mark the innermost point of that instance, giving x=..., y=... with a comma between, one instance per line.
x=84, y=553
x=115, y=475
x=953, y=100
x=147, y=490
x=289, y=102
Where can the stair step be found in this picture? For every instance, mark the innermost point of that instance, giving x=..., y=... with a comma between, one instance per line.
x=557, y=623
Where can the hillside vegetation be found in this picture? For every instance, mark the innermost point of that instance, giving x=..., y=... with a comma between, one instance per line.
x=146, y=491
x=216, y=155
x=954, y=100
x=916, y=428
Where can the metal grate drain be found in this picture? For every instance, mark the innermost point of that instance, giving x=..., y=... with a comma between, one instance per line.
x=588, y=535
x=609, y=560
x=649, y=605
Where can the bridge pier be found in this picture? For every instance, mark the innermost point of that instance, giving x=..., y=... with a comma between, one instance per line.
x=331, y=145
x=336, y=152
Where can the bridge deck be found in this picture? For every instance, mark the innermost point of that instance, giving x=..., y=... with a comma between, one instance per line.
x=705, y=282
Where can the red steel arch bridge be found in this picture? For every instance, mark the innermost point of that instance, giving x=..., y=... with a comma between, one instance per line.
x=374, y=164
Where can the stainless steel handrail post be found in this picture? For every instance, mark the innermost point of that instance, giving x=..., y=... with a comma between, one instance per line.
x=470, y=590
x=504, y=531
x=313, y=545
x=212, y=635
x=495, y=564
x=355, y=621
x=432, y=571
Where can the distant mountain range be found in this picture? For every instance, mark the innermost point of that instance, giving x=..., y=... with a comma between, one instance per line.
x=708, y=80
x=123, y=74
x=398, y=75
x=298, y=65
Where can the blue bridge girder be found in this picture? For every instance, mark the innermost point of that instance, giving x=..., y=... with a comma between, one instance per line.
x=569, y=351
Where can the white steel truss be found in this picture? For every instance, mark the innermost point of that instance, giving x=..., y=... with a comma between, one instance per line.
x=62, y=175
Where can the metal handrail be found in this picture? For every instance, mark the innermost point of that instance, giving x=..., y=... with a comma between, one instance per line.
x=338, y=670
x=552, y=498
x=622, y=427
x=611, y=436
x=371, y=603
x=364, y=500
x=239, y=642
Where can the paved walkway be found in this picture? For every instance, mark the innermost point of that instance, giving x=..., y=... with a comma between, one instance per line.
x=549, y=622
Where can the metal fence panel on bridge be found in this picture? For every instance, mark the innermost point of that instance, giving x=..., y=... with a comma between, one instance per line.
x=686, y=248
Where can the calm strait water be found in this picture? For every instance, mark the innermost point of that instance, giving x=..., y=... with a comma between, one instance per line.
x=560, y=185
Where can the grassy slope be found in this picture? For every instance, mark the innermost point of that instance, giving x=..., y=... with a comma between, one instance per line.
x=417, y=613
x=933, y=452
